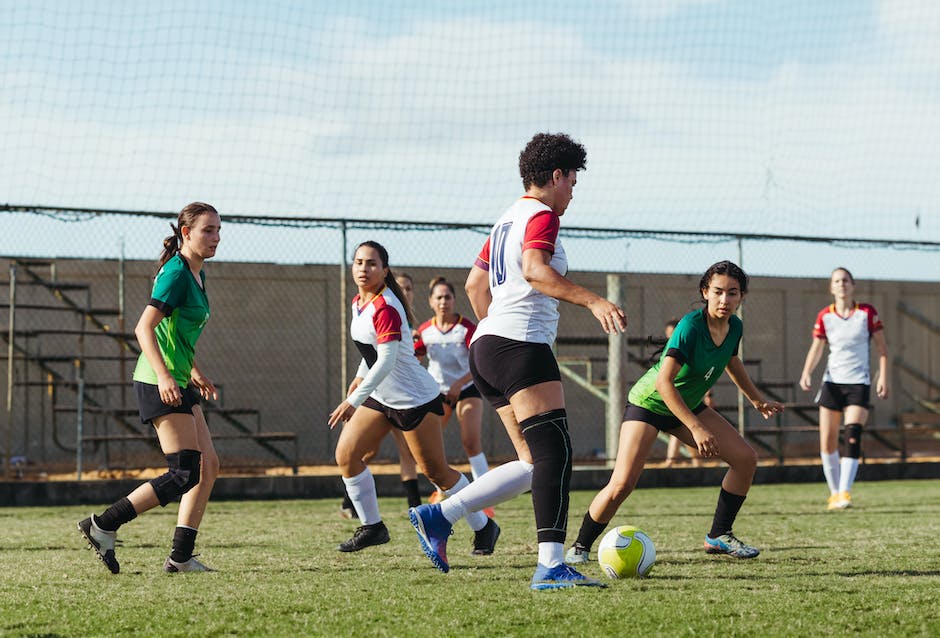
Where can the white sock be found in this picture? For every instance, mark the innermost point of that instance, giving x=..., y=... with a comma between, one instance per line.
x=499, y=484
x=830, y=463
x=361, y=490
x=551, y=554
x=478, y=465
x=476, y=520
x=849, y=469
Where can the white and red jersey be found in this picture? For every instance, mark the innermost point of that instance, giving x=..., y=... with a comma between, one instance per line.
x=518, y=311
x=382, y=320
x=448, y=351
x=849, y=342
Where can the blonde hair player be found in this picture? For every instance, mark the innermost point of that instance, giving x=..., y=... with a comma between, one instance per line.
x=848, y=327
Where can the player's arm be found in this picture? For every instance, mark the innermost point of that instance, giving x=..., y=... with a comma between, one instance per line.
x=812, y=359
x=477, y=288
x=203, y=383
x=705, y=441
x=742, y=379
x=169, y=389
x=882, y=385
x=538, y=272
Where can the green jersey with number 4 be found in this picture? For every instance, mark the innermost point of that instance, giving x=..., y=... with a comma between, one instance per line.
x=702, y=361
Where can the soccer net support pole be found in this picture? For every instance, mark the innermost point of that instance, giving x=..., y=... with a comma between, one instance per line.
x=616, y=369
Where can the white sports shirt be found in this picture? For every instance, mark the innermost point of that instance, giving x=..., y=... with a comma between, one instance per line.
x=517, y=310
x=383, y=320
x=448, y=352
x=849, y=347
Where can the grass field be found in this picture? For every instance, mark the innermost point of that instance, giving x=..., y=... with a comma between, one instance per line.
x=873, y=570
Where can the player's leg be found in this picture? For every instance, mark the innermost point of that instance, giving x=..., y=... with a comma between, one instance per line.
x=830, y=421
x=193, y=503
x=855, y=418
x=742, y=464
x=636, y=442
x=438, y=495
x=409, y=469
x=362, y=433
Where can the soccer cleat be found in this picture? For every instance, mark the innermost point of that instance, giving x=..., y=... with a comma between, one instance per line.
x=845, y=500
x=731, y=545
x=433, y=530
x=561, y=576
x=484, y=540
x=170, y=566
x=102, y=541
x=835, y=502
x=365, y=536
x=347, y=510
x=577, y=554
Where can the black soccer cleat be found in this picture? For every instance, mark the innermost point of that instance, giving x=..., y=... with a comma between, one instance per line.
x=365, y=536
x=102, y=541
x=484, y=541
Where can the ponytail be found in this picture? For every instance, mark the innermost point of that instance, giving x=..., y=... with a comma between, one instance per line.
x=171, y=245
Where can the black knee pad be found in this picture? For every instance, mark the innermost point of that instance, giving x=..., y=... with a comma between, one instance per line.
x=548, y=440
x=853, y=440
x=182, y=475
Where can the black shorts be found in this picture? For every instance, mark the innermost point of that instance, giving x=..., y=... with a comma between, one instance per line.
x=151, y=406
x=409, y=418
x=470, y=392
x=836, y=396
x=661, y=422
x=501, y=367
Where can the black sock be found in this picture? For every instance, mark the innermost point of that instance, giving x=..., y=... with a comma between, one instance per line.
x=112, y=518
x=411, y=492
x=548, y=440
x=590, y=531
x=347, y=502
x=184, y=542
x=726, y=511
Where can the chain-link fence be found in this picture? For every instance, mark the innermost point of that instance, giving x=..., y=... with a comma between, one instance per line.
x=74, y=283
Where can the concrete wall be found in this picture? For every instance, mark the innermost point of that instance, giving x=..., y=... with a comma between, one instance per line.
x=275, y=338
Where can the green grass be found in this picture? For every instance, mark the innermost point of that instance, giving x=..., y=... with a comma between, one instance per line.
x=873, y=570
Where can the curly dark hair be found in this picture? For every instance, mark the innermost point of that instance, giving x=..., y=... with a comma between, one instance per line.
x=544, y=153
x=728, y=268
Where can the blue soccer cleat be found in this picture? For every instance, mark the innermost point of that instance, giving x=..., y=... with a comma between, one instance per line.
x=561, y=576
x=433, y=531
x=729, y=544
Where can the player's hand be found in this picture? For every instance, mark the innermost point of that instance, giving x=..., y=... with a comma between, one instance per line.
x=343, y=412
x=611, y=317
x=169, y=389
x=768, y=408
x=705, y=441
x=882, y=389
x=806, y=382
x=204, y=384
x=453, y=393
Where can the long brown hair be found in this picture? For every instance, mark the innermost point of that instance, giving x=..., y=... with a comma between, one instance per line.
x=187, y=218
x=390, y=278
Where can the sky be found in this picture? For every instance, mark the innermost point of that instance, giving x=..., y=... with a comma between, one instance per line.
x=755, y=116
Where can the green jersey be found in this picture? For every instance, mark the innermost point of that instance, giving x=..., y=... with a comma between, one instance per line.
x=702, y=363
x=186, y=311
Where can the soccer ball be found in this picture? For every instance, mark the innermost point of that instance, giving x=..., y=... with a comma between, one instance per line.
x=626, y=552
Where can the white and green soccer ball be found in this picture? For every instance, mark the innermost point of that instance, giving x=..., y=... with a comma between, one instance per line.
x=626, y=552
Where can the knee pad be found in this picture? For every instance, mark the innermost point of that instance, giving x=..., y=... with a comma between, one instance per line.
x=547, y=437
x=853, y=440
x=182, y=475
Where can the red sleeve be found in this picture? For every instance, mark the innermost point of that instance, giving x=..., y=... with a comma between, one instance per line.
x=541, y=231
x=420, y=348
x=483, y=259
x=387, y=323
x=874, y=321
x=470, y=327
x=819, y=328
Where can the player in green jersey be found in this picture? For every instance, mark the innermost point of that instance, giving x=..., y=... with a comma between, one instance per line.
x=669, y=398
x=169, y=384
